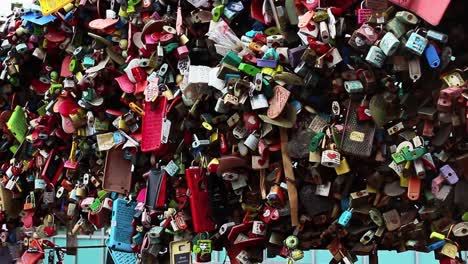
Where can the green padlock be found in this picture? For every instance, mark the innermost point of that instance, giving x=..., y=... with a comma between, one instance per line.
x=249, y=69
x=217, y=12
x=73, y=65
x=398, y=157
x=315, y=141
x=95, y=205
x=413, y=154
x=232, y=59
x=170, y=47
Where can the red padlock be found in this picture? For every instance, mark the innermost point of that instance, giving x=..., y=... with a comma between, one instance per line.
x=363, y=111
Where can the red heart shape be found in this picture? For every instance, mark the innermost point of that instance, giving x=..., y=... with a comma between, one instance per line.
x=261, y=227
x=331, y=155
x=49, y=230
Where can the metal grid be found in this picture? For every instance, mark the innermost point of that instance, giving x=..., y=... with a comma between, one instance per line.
x=217, y=257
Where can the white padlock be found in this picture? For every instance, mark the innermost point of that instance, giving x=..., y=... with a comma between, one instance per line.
x=259, y=228
x=330, y=158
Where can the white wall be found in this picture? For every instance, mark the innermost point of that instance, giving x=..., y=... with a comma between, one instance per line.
x=6, y=4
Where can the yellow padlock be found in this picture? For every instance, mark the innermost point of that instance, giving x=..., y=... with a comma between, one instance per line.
x=343, y=168
x=437, y=235
x=371, y=190
x=404, y=182
x=450, y=250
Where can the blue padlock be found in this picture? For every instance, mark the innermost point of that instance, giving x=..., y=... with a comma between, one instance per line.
x=432, y=57
x=270, y=54
x=345, y=217
x=416, y=44
x=436, y=245
x=252, y=33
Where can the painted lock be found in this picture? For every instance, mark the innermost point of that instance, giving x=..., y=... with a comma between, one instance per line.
x=330, y=158
x=376, y=57
x=354, y=86
x=39, y=184
x=389, y=44
x=416, y=44
x=259, y=228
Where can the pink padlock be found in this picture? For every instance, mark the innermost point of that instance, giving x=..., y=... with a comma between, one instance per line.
x=369, y=34
x=451, y=92
x=444, y=104
x=437, y=183
x=364, y=14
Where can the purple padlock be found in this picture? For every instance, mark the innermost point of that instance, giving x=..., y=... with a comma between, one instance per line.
x=267, y=63
x=449, y=174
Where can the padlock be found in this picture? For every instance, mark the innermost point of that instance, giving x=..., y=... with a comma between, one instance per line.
x=449, y=174
x=330, y=158
x=395, y=26
x=29, y=203
x=389, y=44
x=259, y=228
x=364, y=14
x=39, y=184
x=343, y=168
x=353, y=86
x=416, y=43
x=450, y=250
x=375, y=57
x=345, y=217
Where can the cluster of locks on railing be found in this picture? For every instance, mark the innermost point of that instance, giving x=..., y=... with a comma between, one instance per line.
x=184, y=127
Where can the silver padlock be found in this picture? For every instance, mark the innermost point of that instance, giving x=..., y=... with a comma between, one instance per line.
x=49, y=196
x=239, y=132
x=251, y=142
x=389, y=44
x=330, y=158
x=221, y=107
x=375, y=57
x=39, y=184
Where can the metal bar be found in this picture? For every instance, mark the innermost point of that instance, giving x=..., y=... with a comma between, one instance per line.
x=365, y=260
x=416, y=257
x=103, y=241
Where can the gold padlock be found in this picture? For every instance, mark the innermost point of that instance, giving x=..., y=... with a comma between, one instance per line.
x=80, y=191
x=315, y=157
x=450, y=250
x=343, y=168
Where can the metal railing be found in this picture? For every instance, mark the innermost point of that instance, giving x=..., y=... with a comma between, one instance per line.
x=218, y=257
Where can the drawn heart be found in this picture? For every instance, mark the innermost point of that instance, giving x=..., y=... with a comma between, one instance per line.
x=261, y=227
x=261, y=162
x=331, y=155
